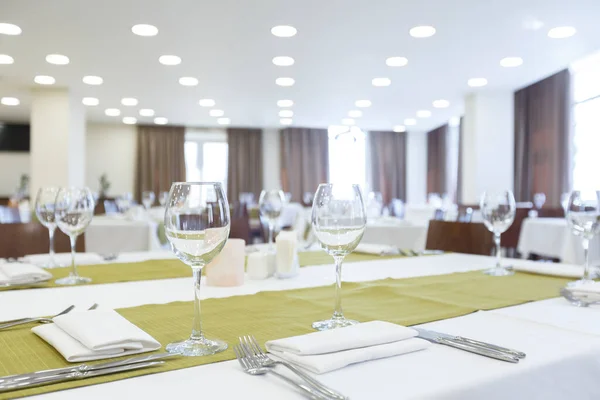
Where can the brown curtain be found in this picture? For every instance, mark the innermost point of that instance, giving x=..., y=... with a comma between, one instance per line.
x=542, y=136
x=388, y=164
x=437, y=160
x=245, y=161
x=160, y=158
x=304, y=160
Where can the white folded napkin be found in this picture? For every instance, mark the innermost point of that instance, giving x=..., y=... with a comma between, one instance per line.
x=553, y=269
x=377, y=249
x=64, y=259
x=15, y=273
x=95, y=335
x=325, y=351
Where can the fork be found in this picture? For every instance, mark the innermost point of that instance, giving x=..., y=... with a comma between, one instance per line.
x=43, y=320
x=252, y=367
x=249, y=342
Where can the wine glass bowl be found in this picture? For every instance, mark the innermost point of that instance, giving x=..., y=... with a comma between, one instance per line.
x=271, y=204
x=163, y=198
x=44, y=210
x=148, y=198
x=498, y=211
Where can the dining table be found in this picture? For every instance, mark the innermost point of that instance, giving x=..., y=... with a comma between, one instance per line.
x=396, y=232
x=115, y=234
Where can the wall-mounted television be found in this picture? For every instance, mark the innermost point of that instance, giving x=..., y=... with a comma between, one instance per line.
x=14, y=137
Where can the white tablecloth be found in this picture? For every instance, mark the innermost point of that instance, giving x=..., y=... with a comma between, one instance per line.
x=115, y=234
x=562, y=343
x=402, y=234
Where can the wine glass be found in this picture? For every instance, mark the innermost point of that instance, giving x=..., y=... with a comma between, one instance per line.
x=44, y=209
x=338, y=219
x=197, y=226
x=583, y=216
x=163, y=198
x=74, y=209
x=538, y=200
x=148, y=198
x=498, y=212
x=270, y=205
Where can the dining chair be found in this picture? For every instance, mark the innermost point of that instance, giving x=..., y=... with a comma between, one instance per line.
x=459, y=237
x=240, y=223
x=510, y=239
x=551, y=212
x=18, y=240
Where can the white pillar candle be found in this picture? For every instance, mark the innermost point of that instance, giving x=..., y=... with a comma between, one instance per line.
x=260, y=265
x=227, y=268
x=287, y=254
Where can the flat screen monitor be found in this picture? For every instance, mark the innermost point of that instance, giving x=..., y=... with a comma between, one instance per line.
x=14, y=137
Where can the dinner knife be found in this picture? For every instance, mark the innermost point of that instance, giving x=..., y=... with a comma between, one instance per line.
x=83, y=368
x=451, y=341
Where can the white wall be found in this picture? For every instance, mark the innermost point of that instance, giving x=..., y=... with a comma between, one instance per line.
x=416, y=167
x=12, y=166
x=271, y=159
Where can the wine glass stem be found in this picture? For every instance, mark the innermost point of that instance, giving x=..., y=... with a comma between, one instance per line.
x=51, y=237
x=271, y=229
x=73, y=266
x=337, y=312
x=498, y=249
x=197, y=327
x=586, y=265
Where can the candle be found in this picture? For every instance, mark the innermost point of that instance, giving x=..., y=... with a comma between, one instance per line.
x=287, y=254
x=260, y=265
x=227, y=268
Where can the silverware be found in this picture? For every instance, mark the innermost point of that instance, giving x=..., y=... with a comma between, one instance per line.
x=250, y=344
x=43, y=320
x=4, y=380
x=109, y=256
x=252, y=367
x=47, y=380
x=481, y=348
x=93, y=307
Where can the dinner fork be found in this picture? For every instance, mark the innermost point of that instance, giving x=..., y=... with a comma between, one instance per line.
x=252, y=367
x=43, y=320
x=249, y=342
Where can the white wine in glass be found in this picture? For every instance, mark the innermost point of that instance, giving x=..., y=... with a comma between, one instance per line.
x=44, y=209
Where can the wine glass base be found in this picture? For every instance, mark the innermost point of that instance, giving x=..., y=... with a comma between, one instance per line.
x=580, y=282
x=197, y=347
x=333, y=323
x=499, y=271
x=73, y=280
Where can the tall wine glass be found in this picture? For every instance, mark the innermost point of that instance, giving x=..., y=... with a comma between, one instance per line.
x=270, y=204
x=163, y=198
x=148, y=198
x=197, y=226
x=74, y=209
x=338, y=219
x=44, y=209
x=538, y=200
x=583, y=215
x=498, y=212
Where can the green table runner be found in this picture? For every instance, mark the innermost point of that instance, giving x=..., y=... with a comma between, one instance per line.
x=277, y=314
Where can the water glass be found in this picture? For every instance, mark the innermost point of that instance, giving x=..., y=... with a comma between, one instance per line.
x=148, y=198
x=163, y=198
x=498, y=212
x=271, y=204
x=44, y=209
x=538, y=200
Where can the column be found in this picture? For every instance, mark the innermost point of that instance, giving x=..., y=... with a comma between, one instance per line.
x=57, y=139
x=416, y=167
x=487, y=144
x=271, y=159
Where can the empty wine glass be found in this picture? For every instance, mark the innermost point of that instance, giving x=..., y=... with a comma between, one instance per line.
x=583, y=216
x=498, y=212
x=374, y=205
x=338, y=220
x=538, y=200
x=163, y=198
x=148, y=198
x=270, y=205
x=307, y=198
x=44, y=209
x=197, y=225
x=74, y=209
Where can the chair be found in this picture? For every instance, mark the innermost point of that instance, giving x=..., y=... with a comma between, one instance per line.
x=9, y=215
x=459, y=237
x=18, y=240
x=240, y=223
x=510, y=238
x=551, y=212
x=465, y=215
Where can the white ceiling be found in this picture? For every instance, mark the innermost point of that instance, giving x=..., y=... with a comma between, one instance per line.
x=340, y=47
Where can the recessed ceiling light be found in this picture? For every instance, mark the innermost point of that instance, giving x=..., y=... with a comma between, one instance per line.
x=355, y=113
x=144, y=30
x=6, y=59
x=561, y=32
x=188, y=81
x=129, y=101
x=285, y=81
x=441, y=103
x=362, y=103
x=57, y=59
x=169, y=60
x=223, y=121
x=348, y=121
x=206, y=102
x=161, y=121
x=147, y=112
x=90, y=101
x=510, y=62
x=9, y=29
x=286, y=121
x=380, y=82
x=93, y=80
x=423, y=31
x=10, y=101
x=410, y=121
x=286, y=113
x=112, y=112
x=44, y=80
x=477, y=82
x=396, y=61
x=423, y=114
x=283, y=61
x=129, y=120
x=399, y=128
x=284, y=31
x=285, y=103
x=216, y=113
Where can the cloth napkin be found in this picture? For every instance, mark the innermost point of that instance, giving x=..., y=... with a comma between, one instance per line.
x=95, y=335
x=588, y=291
x=377, y=249
x=553, y=269
x=64, y=259
x=325, y=351
x=22, y=273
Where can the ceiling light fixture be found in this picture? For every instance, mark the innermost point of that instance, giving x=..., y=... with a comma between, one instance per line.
x=355, y=113
x=399, y=128
x=206, y=102
x=284, y=31
x=362, y=103
x=129, y=101
x=283, y=61
x=216, y=113
x=477, y=82
x=410, y=122
x=511, y=62
x=423, y=114
x=6, y=59
x=57, y=59
x=285, y=103
x=129, y=120
x=348, y=121
x=285, y=81
x=188, y=81
x=93, y=80
x=396, y=61
x=561, y=32
x=286, y=121
x=161, y=121
x=441, y=103
x=381, y=82
x=223, y=121
x=286, y=113
x=112, y=112
x=90, y=101
x=423, y=31
x=169, y=60
x=147, y=112
x=9, y=29
x=144, y=30
x=44, y=80
x=10, y=101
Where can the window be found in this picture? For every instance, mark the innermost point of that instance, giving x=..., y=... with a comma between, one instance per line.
x=347, y=156
x=206, y=155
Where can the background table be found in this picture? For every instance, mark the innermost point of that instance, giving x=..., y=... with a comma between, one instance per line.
x=116, y=234
x=396, y=232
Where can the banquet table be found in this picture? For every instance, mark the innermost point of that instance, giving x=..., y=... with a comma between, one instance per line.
x=116, y=234
x=396, y=232
x=562, y=342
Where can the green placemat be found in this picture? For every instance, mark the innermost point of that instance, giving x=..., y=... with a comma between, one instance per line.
x=277, y=314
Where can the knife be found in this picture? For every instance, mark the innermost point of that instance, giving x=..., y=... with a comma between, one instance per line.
x=81, y=368
x=482, y=349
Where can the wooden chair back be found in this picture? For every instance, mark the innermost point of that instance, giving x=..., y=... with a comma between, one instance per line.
x=240, y=223
x=510, y=238
x=18, y=240
x=551, y=212
x=459, y=237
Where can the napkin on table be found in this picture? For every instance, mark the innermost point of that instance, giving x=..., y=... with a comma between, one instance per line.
x=14, y=273
x=552, y=269
x=377, y=249
x=64, y=259
x=325, y=351
x=95, y=335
